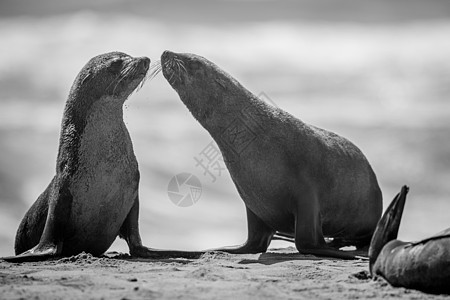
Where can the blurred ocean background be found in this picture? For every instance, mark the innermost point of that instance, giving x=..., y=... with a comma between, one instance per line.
x=376, y=72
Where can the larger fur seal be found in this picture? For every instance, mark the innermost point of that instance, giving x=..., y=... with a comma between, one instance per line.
x=296, y=180
x=93, y=197
x=422, y=265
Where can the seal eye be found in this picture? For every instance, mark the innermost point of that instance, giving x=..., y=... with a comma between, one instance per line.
x=116, y=65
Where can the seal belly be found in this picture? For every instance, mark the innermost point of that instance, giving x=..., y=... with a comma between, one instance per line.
x=98, y=214
x=264, y=187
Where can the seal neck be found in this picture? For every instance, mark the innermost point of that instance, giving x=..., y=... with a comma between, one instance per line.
x=238, y=106
x=105, y=114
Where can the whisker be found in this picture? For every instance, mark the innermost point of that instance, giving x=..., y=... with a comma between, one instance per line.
x=171, y=76
x=118, y=82
x=176, y=67
x=172, y=64
x=178, y=60
x=166, y=64
x=179, y=69
x=118, y=79
x=112, y=81
x=123, y=74
x=155, y=69
x=148, y=76
x=155, y=72
x=141, y=84
x=155, y=64
x=182, y=66
x=143, y=81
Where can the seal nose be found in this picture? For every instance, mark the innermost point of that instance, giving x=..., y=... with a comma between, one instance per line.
x=167, y=55
x=145, y=62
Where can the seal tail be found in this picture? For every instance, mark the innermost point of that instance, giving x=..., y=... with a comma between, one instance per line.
x=388, y=226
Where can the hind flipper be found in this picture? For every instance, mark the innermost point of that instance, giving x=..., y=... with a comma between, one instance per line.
x=258, y=237
x=388, y=226
x=35, y=254
x=333, y=253
x=130, y=233
x=309, y=237
x=55, y=203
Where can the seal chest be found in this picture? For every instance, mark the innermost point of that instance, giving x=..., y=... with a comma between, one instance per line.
x=106, y=182
x=295, y=179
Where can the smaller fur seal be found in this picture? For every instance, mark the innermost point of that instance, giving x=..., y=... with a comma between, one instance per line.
x=422, y=265
x=296, y=180
x=93, y=198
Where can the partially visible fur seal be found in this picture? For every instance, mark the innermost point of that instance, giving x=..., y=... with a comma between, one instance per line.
x=296, y=180
x=422, y=265
x=93, y=197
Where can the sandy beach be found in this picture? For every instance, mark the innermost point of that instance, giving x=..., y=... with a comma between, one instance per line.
x=278, y=274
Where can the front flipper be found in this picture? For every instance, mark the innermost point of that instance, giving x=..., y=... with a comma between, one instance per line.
x=130, y=233
x=145, y=252
x=332, y=253
x=258, y=239
x=309, y=237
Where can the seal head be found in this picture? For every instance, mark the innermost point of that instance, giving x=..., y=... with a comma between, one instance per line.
x=203, y=87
